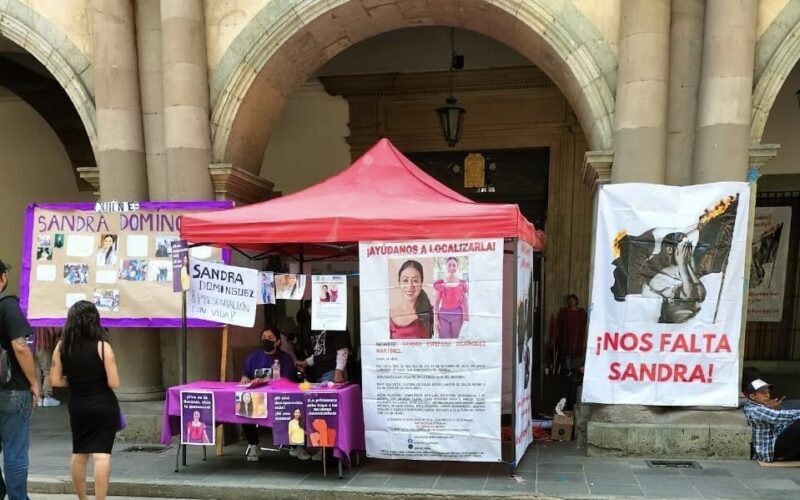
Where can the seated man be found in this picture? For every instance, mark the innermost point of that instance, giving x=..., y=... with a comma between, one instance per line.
x=263, y=358
x=776, y=431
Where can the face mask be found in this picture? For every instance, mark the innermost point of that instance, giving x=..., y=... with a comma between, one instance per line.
x=268, y=345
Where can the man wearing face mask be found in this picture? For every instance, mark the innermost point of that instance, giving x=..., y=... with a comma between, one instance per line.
x=262, y=358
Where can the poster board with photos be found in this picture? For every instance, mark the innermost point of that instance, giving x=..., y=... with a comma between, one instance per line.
x=120, y=260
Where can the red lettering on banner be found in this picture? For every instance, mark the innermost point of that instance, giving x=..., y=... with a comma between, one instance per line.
x=661, y=372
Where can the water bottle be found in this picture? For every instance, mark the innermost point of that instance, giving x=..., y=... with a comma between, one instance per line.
x=276, y=370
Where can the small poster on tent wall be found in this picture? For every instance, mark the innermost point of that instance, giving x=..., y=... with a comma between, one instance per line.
x=180, y=266
x=431, y=330
x=329, y=302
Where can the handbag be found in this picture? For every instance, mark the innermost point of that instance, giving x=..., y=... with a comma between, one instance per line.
x=123, y=422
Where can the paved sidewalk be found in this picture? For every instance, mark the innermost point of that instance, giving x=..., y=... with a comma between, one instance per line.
x=548, y=469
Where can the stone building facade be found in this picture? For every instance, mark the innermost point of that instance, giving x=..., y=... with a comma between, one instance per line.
x=192, y=99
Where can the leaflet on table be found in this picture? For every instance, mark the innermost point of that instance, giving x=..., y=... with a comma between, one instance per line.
x=523, y=331
x=197, y=418
x=329, y=302
x=431, y=324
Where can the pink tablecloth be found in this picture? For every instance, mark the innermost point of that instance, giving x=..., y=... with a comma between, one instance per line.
x=350, y=432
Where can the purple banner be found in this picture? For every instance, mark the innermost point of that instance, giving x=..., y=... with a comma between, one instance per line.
x=197, y=418
x=289, y=412
x=322, y=414
x=67, y=260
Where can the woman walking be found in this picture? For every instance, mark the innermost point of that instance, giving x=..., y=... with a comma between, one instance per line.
x=84, y=361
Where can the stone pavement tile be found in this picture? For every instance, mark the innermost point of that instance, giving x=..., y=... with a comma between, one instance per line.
x=370, y=480
x=466, y=468
x=731, y=491
x=561, y=488
x=449, y=482
x=612, y=478
x=796, y=481
x=528, y=462
x=711, y=471
x=318, y=481
x=621, y=490
x=412, y=481
x=563, y=477
x=772, y=484
x=658, y=472
x=560, y=467
x=504, y=483
x=777, y=494
x=715, y=481
x=667, y=490
x=606, y=468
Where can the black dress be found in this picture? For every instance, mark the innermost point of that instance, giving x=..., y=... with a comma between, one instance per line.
x=93, y=407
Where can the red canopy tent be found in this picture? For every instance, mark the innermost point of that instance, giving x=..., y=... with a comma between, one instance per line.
x=382, y=196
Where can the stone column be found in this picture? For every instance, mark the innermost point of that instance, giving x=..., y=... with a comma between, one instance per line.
x=122, y=169
x=685, y=57
x=726, y=82
x=187, y=145
x=148, y=38
x=640, y=117
x=187, y=137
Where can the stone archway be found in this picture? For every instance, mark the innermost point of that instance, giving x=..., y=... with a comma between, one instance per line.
x=777, y=53
x=69, y=66
x=285, y=44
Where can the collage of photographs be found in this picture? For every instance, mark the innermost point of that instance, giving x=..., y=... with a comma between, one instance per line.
x=102, y=260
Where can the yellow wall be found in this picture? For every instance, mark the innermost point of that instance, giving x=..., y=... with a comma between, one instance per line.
x=34, y=168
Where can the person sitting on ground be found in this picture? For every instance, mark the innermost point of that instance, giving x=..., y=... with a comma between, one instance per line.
x=263, y=358
x=776, y=431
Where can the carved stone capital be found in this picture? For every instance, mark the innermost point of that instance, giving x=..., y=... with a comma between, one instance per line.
x=760, y=154
x=241, y=186
x=597, y=168
x=92, y=176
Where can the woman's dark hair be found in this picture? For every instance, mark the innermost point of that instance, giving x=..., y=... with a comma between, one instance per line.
x=302, y=314
x=246, y=408
x=422, y=306
x=83, y=323
x=451, y=258
x=573, y=296
x=110, y=249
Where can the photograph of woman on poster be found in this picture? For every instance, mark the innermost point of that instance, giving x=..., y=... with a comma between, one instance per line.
x=186, y=282
x=245, y=407
x=412, y=317
x=451, y=300
x=107, y=252
x=324, y=295
x=196, y=430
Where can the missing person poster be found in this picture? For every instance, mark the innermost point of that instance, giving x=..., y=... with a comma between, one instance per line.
x=197, y=418
x=266, y=280
x=431, y=329
x=289, y=414
x=329, y=302
x=290, y=286
x=117, y=255
x=226, y=294
x=667, y=295
x=322, y=416
x=523, y=332
x=771, y=228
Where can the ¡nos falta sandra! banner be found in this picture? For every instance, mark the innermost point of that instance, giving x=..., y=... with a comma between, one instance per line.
x=667, y=295
x=431, y=330
x=771, y=228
